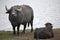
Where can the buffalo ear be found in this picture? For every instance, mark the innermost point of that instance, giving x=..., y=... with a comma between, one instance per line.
x=8, y=12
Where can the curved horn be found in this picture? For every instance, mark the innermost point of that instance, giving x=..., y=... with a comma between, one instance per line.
x=6, y=8
x=20, y=9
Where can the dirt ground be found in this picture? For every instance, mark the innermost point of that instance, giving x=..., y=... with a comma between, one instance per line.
x=56, y=34
x=7, y=35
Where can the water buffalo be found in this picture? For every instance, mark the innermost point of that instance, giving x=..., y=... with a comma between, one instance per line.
x=20, y=14
x=44, y=33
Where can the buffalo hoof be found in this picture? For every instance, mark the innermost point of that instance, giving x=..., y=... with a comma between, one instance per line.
x=14, y=33
x=32, y=30
x=23, y=32
x=17, y=34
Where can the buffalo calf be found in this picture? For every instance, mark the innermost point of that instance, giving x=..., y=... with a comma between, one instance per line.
x=44, y=33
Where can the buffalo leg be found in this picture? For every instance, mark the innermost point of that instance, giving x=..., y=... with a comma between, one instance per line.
x=24, y=28
x=18, y=29
x=36, y=39
x=14, y=30
x=31, y=26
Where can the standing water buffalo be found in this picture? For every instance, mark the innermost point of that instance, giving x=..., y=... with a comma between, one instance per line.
x=18, y=15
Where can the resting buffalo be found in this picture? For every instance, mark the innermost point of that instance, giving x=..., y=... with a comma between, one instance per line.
x=20, y=14
x=44, y=33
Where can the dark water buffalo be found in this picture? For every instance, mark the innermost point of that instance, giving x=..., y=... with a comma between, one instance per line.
x=44, y=33
x=18, y=15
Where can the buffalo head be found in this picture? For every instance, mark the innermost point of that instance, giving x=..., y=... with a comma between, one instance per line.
x=49, y=25
x=13, y=10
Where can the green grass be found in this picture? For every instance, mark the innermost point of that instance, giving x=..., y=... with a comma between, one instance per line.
x=8, y=35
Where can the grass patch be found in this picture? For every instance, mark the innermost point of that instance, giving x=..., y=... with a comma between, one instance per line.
x=8, y=35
